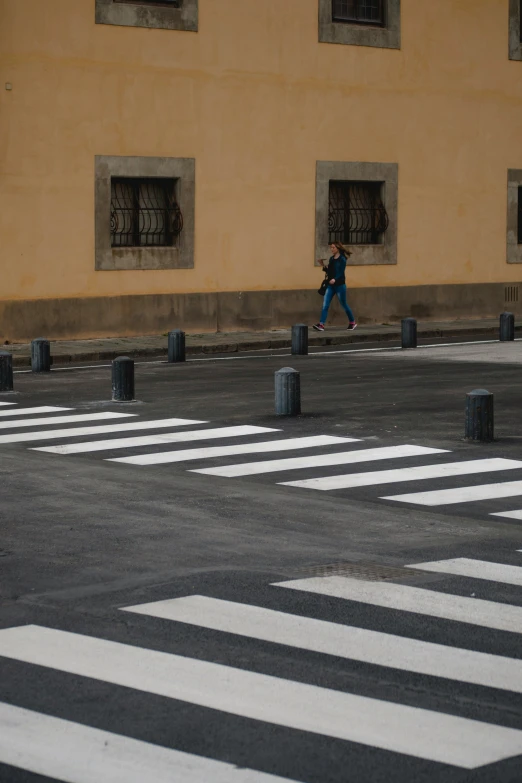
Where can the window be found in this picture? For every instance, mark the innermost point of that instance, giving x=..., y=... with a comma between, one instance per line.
x=356, y=213
x=358, y=11
x=144, y=213
x=515, y=29
x=357, y=204
x=163, y=14
x=361, y=22
x=514, y=217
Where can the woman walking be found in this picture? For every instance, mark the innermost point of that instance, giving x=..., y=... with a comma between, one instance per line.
x=336, y=285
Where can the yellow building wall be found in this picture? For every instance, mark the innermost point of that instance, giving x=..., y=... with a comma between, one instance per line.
x=256, y=100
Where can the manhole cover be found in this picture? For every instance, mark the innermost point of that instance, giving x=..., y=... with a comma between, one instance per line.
x=369, y=572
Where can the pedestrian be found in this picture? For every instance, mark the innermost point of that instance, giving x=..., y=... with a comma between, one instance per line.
x=335, y=285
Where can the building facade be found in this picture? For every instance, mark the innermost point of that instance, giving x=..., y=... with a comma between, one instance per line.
x=184, y=163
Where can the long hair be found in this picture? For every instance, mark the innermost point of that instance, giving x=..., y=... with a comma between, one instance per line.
x=342, y=249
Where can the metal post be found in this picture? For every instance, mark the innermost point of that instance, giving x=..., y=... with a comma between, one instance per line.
x=507, y=327
x=123, y=379
x=299, y=340
x=6, y=371
x=40, y=355
x=176, y=346
x=409, y=333
x=287, y=392
x=479, y=415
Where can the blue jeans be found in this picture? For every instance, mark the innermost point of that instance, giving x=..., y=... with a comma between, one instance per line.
x=340, y=292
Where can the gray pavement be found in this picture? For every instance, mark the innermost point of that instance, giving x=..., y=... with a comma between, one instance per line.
x=99, y=349
x=83, y=537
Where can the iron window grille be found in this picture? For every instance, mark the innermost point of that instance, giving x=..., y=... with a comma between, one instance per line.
x=520, y=215
x=356, y=213
x=359, y=11
x=144, y=212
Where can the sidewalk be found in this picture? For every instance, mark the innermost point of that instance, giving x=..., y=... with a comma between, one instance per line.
x=106, y=349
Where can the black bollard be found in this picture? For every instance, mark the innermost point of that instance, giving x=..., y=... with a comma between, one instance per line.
x=287, y=392
x=40, y=355
x=123, y=379
x=176, y=346
x=299, y=340
x=409, y=333
x=507, y=327
x=6, y=371
x=479, y=415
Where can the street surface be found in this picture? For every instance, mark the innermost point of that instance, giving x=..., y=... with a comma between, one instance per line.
x=193, y=589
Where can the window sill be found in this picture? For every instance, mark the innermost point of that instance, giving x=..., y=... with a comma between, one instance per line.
x=138, y=14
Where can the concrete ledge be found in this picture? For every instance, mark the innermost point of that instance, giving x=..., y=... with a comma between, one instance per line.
x=251, y=311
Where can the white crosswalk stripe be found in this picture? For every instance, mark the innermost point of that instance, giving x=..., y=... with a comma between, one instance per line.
x=340, y=458
x=422, y=472
x=381, y=649
x=76, y=753
x=517, y=514
x=415, y=600
x=74, y=419
x=30, y=411
x=103, y=429
x=184, y=455
x=476, y=569
x=7, y=403
x=153, y=440
x=413, y=731
x=443, y=497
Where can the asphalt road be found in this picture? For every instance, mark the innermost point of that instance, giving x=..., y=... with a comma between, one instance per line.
x=400, y=687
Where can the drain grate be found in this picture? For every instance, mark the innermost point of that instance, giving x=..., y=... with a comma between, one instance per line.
x=369, y=572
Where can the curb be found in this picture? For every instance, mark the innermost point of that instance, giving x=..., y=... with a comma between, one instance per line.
x=24, y=361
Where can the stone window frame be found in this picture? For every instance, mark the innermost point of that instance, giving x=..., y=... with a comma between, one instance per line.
x=387, y=37
x=515, y=30
x=179, y=256
x=141, y=14
x=514, y=250
x=388, y=174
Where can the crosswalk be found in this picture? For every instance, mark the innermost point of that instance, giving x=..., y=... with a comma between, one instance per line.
x=436, y=733
x=338, y=464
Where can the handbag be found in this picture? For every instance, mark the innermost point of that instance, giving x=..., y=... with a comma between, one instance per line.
x=324, y=285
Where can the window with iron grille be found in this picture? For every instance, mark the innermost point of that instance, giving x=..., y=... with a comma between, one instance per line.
x=144, y=212
x=520, y=215
x=359, y=11
x=356, y=213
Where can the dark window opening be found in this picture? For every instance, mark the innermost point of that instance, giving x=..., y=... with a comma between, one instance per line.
x=356, y=213
x=520, y=216
x=144, y=213
x=359, y=11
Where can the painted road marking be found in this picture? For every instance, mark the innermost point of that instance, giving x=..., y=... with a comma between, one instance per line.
x=75, y=753
x=413, y=731
x=442, y=497
x=319, y=461
x=63, y=419
x=403, y=598
x=8, y=403
x=150, y=440
x=182, y=455
x=509, y=514
x=39, y=409
x=476, y=569
x=351, y=480
x=357, y=644
x=105, y=429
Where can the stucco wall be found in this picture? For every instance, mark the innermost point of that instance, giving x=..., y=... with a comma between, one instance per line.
x=256, y=100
